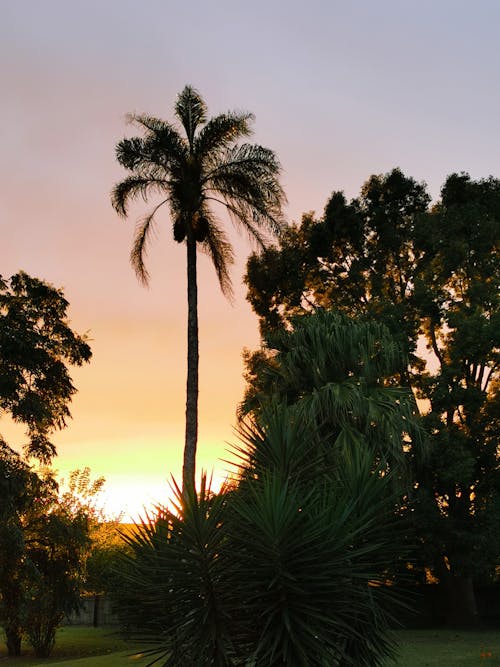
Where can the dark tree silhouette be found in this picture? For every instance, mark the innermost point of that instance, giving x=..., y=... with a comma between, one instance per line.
x=36, y=345
x=190, y=171
x=431, y=274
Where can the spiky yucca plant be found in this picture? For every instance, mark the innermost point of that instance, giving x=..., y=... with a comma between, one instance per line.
x=273, y=571
x=178, y=592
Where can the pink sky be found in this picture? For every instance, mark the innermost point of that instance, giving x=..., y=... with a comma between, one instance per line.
x=340, y=91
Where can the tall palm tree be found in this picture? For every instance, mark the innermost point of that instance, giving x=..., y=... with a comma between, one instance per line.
x=190, y=171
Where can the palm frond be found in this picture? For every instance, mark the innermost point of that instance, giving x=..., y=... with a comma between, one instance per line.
x=162, y=145
x=242, y=216
x=130, y=153
x=308, y=557
x=247, y=180
x=135, y=186
x=220, y=251
x=191, y=110
x=143, y=232
x=281, y=442
x=181, y=583
x=204, y=166
x=249, y=159
x=221, y=132
x=337, y=373
x=151, y=123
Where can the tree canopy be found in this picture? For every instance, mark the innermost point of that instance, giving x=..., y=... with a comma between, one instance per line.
x=36, y=347
x=430, y=274
x=42, y=539
x=43, y=543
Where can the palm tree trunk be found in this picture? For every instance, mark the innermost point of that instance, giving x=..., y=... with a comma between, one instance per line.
x=191, y=436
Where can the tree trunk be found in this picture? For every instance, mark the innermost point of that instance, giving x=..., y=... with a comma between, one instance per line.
x=95, y=613
x=191, y=434
x=461, y=607
x=13, y=638
x=12, y=598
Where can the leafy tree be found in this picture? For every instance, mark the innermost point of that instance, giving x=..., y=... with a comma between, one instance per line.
x=18, y=487
x=191, y=171
x=431, y=275
x=36, y=344
x=458, y=296
x=102, y=569
x=41, y=550
x=98, y=565
x=57, y=541
x=46, y=541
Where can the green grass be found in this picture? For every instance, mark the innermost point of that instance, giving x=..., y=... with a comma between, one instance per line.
x=449, y=648
x=79, y=646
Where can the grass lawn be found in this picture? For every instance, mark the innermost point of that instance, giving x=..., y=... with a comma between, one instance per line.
x=449, y=648
x=79, y=646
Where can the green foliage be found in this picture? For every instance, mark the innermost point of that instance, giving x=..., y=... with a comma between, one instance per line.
x=179, y=580
x=44, y=542
x=269, y=573
x=56, y=545
x=16, y=485
x=290, y=564
x=36, y=344
x=41, y=539
x=342, y=374
x=431, y=276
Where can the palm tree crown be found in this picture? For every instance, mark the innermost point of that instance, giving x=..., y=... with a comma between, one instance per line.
x=193, y=171
x=190, y=171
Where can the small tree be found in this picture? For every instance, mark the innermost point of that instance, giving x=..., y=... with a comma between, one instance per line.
x=36, y=345
x=57, y=543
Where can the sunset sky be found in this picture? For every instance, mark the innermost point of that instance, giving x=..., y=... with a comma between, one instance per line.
x=340, y=90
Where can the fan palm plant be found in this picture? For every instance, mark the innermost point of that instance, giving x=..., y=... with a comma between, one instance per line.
x=339, y=372
x=191, y=170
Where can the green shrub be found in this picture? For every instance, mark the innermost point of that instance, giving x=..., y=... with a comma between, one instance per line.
x=274, y=570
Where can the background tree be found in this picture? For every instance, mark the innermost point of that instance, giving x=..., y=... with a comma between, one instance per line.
x=191, y=171
x=458, y=299
x=431, y=275
x=18, y=488
x=57, y=541
x=99, y=566
x=46, y=541
x=102, y=566
x=36, y=345
x=41, y=550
